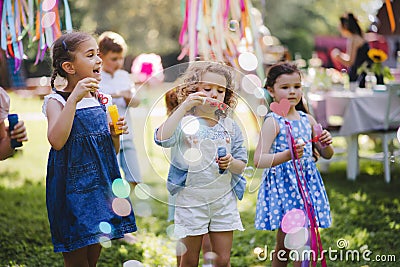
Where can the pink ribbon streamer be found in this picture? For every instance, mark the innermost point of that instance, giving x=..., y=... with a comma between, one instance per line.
x=184, y=24
x=316, y=243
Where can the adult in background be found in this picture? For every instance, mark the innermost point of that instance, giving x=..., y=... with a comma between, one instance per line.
x=356, y=51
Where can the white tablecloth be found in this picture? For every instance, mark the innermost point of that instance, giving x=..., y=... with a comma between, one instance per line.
x=362, y=111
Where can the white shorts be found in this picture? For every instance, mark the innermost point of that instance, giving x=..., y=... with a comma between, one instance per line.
x=194, y=216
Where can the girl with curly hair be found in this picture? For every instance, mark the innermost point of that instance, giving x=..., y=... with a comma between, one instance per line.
x=206, y=183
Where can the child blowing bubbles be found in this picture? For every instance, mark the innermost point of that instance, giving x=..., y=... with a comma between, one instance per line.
x=205, y=201
x=82, y=162
x=279, y=192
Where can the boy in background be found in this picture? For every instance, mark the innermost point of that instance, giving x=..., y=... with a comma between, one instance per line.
x=117, y=82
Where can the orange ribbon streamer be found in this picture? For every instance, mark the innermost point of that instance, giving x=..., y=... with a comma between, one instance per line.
x=391, y=15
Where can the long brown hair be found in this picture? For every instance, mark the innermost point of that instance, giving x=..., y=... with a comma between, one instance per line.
x=284, y=68
x=64, y=50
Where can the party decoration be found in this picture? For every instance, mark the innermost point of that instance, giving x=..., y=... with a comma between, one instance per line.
x=292, y=222
x=147, y=68
x=390, y=15
x=315, y=239
x=221, y=30
x=281, y=108
x=39, y=21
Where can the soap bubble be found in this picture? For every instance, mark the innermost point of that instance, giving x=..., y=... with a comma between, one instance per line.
x=143, y=209
x=192, y=156
x=233, y=25
x=248, y=171
x=142, y=191
x=121, y=206
x=121, y=188
x=180, y=248
x=133, y=263
x=190, y=125
x=248, y=61
x=259, y=93
x=48, y=5
x=297, y=239
x=105, y=241
x=48, y=19
x=293, y=220
x=262, y=110
x=105, y=227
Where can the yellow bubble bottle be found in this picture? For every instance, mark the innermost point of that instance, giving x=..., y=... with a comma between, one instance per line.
x=113, y=111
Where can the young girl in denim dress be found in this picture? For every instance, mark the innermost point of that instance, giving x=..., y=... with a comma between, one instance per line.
x=279, y=192
x=206, y=185
x=82, y=163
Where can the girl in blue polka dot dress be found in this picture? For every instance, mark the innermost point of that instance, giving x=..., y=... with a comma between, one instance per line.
x=279, y=192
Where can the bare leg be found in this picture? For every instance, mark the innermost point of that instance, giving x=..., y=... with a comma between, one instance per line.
x=76, y=258
x=93, y=254
x=281, y=255
x=193, y=245
x=206, y=247
x=221, y=243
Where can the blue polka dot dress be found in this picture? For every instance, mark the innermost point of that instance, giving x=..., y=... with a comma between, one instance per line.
x=279, y=192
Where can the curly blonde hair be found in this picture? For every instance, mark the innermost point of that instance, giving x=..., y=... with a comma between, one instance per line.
x=194, y=74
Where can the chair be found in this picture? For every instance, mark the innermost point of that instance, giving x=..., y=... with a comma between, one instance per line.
x=388, y=132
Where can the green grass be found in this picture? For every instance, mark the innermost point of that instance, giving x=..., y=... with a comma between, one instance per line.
x=366, y=212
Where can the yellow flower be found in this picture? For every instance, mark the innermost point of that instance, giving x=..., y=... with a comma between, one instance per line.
x=377, y=55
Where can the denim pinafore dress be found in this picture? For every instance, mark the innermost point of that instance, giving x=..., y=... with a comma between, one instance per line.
x=79, y=185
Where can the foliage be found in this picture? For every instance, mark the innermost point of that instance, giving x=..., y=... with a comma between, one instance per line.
x=154, y=25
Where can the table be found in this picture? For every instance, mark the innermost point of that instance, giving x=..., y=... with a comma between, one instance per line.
x=362, y=111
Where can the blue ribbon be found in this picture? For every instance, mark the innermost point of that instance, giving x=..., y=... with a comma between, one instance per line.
x=68, y=21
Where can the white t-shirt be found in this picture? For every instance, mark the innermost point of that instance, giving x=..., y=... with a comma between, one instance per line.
x=4, y=104
x=113, y=84
x=86, y=102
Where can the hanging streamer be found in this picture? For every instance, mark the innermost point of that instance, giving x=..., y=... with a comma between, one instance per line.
x=391, y=15
x=207, y=32
x=37, y=19
x=316, y=243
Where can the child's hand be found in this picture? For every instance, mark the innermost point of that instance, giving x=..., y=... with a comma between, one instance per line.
x=19, y=132
x=121, y=125
x=195, y=99
x=224, y=162
x=335, y=53
x=299, y=149
x=83, y=87
x=325, y=138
